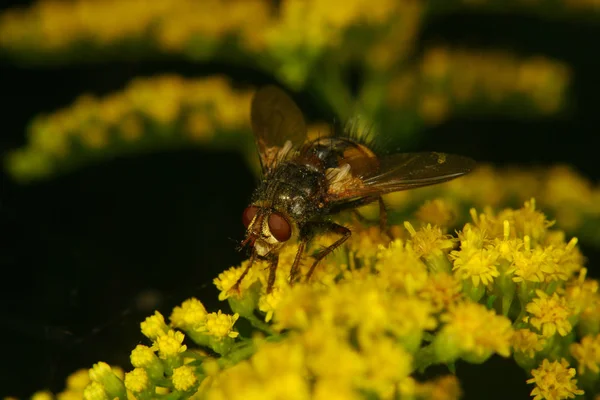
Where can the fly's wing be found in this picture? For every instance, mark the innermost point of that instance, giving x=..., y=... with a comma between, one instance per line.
x=278, y=126
x=401, y=171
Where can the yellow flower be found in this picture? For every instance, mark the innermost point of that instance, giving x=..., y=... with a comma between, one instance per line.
x=154, y=326
x=441, y=291
x=227, y=279
x=95, y=391
x=401, y=268
x=532, y=265
x=106, y=376
x=554, y=381
x=387, y=364
x=42, y=395
x=527, y=342
x=275, y=371
x=473, y=332
x=549, y=314
x=184, y=378
x=142, y=356
x=78, y=380
x=334, y=389
x=429, y=240
x=268, y=302
x=189, y=315
x=169, y=344
x=587, y=354
x=137, y=380
x=476, y=265
x=442, y=388
x=440, y=212
x=220, y=325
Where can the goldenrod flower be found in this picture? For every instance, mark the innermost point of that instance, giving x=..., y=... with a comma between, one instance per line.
x=441, y=290
x=103, y=374
x=144, y=357
x=220, y=325
x=527, y=342
x=387, y=364
x=587, y=354
x=473, y=332
x=190, y=315
x=400, y=266
x=42, y=395
x=184, y=378
x=78, y=380
x=549, y=314
x=95, y=391
x=439, y=212
x=429, y=240
x=137, y=381
x=443, y=388
x=554, y=381
x=227, y=279
x=532, y=265
x=154, y=326
x=169, y=344
x=478, y=266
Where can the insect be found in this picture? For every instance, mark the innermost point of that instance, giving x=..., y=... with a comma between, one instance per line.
x=304, y=182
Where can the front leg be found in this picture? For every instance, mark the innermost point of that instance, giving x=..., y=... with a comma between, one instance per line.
x=273, y=261
x=326, y=227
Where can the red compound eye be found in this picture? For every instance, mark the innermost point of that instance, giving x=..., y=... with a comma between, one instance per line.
x=279, y=227
x=249, y=214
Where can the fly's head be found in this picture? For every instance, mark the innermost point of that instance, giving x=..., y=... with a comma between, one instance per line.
x=267, y=230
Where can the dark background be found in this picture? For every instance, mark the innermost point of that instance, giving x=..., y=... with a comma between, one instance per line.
x=80, y=252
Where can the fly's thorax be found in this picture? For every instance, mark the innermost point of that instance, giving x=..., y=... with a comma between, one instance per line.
x=296, y=190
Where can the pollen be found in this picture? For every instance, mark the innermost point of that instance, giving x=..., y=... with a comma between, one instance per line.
x=549, y=314
x=554, y=381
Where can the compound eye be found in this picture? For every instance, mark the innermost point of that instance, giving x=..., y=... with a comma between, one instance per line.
x=248, y=215
x=280, y=228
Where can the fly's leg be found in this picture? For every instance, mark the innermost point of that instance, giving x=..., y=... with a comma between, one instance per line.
x=273, y=261
x=383, y=219
x=296, y=265
x=236, y=287
x=334, y=228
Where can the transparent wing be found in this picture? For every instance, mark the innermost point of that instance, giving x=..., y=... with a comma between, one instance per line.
x=278, y=125
x=405, y=171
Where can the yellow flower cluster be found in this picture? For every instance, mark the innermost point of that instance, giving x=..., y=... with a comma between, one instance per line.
x=448, y=80
x=572, y=200
x=554, y=380
x=145, y=114
x=171, y=25
x=368, y=320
